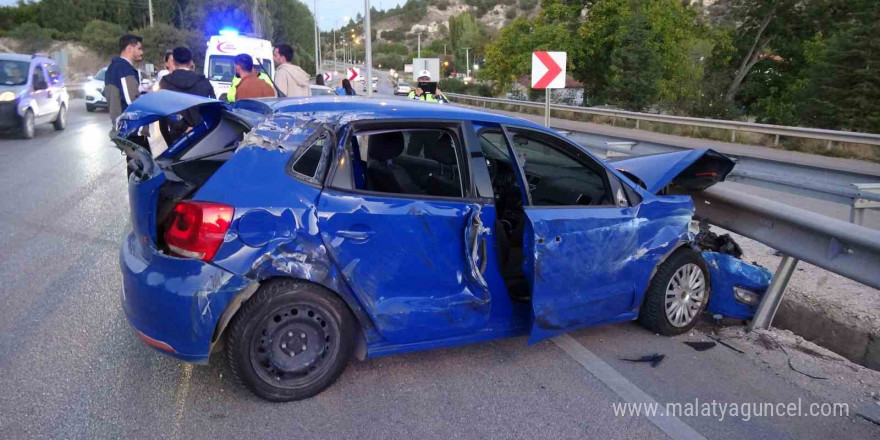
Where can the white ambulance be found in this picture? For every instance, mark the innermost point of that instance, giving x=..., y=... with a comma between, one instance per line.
x=223, y=48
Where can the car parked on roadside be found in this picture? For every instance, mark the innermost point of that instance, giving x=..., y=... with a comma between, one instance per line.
x=32, y=91
x=94, y=91
x=305, y=232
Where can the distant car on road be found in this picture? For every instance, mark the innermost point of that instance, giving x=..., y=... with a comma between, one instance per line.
x=375, y=83
x=402, y=88
x=306, y=232
x=317, y=90
x=94, y=90
x=32, y=91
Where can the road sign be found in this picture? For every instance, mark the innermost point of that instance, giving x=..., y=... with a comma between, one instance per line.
x=353, y=73
x=548, y=70
x=327, y=77
x=407, y=68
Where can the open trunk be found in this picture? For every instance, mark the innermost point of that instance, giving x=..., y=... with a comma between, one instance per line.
x=157, y=184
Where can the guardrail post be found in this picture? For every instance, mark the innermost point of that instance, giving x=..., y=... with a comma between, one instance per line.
x=773, y=296
x=776, y=141
x=857, y=210
x=733, y=136
x=637, y=123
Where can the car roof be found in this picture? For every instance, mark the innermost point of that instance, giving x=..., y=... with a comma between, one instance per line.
x=22, y=57
x=356, y=108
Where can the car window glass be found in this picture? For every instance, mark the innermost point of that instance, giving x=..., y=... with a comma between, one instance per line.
x=307, y=163
x=54, y=73
x=555, y=177
x=100, y=75
x=13, y=73
x=37, y=78
x=417, y=162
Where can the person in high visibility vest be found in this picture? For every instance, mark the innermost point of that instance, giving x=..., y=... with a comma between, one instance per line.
x=421, y=94
x=230, y=95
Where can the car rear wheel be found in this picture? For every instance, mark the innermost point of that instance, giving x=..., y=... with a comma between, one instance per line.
x=90, y=108
x=61, y=120
x=27, y=125
x=291, y=340
x=678, y=294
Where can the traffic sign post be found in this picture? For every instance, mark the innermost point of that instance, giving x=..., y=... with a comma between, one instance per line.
x=548, y=72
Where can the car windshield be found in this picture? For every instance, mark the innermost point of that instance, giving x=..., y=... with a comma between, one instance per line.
x=402, y=84
x=13, y=73
x=221, y=67
x=100, y=75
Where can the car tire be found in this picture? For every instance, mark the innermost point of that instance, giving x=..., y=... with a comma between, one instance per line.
x=60, y=122
x=291, y=340
x=27, y=124
x=677, y=295
x=90, y=108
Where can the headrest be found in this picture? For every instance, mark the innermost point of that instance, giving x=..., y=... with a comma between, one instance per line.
x=441, y=150
x=385, y=146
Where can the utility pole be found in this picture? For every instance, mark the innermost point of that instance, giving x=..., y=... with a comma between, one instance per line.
x=368, y=55
x=317, y=47
x=150, y=4
x=334, y=46
x=420, y=46
x=467, y=60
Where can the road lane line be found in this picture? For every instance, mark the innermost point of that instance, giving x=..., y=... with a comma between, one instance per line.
x=180, y=398
x=629, y=392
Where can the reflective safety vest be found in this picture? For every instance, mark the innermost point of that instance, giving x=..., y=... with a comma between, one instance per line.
x=230, y=95
x=428, y=97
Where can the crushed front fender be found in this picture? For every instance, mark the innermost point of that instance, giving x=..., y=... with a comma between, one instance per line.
x=727, y=272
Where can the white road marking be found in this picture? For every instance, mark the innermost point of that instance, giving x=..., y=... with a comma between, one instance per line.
x=180, y=398
x=629, y=392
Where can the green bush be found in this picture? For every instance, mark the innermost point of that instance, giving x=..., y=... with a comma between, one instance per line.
x=31, y=38
x=102, y=37
x=454, y=85
x=510, y=14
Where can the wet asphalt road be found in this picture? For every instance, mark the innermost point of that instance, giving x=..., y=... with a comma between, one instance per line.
x=70, y=366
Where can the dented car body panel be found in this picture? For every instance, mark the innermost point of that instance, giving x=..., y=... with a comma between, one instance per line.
x=726, y=273
x=417, y=272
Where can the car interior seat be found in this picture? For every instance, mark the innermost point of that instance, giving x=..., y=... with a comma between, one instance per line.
x=444, y=182
x=382, y=174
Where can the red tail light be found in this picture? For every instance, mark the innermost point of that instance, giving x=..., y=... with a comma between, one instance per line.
x=196, y=229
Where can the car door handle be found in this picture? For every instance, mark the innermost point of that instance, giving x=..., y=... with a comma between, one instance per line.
x=355, y=235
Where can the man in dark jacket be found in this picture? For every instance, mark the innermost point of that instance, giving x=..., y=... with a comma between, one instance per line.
x=184, y=80
x=121, y=80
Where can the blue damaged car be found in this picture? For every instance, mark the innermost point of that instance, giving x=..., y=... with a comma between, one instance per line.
x=298, y=233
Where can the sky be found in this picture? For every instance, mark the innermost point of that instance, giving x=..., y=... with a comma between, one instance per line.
x=331, y=13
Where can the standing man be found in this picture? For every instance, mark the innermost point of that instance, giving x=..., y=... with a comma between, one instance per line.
x=183, y=79
x=250, y=86
x=121, y=80
x=289, y=78
x=424, y=91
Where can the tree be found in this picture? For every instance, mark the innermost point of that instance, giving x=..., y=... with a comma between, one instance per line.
x=102, y=37
x=159, y=38
x=843, y=89
x=31, y=38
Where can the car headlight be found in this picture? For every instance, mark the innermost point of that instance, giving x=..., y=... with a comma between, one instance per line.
x=746, y=296
x=7, y=96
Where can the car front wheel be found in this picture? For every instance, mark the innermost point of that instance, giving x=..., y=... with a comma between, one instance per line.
x=27, y=124
x=90, y=108
x=291, y=340
x=678, y=294
x=61, y=120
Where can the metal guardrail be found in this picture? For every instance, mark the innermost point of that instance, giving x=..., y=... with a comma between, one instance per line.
x=733, y=126
x=846, y=249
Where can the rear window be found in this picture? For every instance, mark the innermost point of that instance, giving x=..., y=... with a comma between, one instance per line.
x=100, y=75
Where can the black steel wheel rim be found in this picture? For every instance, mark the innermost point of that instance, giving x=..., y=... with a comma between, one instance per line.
x=294, y=345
